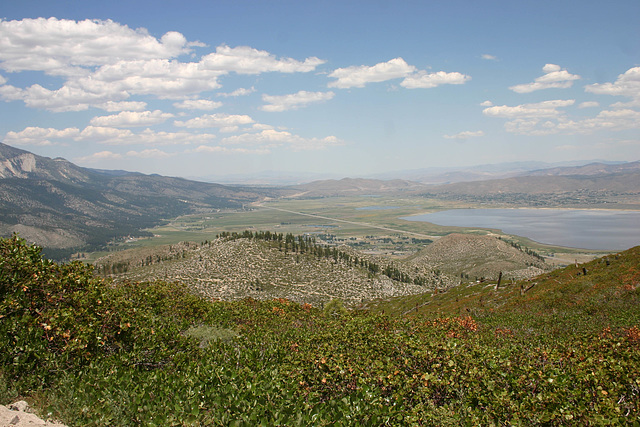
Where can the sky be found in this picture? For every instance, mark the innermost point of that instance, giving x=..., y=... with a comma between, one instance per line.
x=205, y=89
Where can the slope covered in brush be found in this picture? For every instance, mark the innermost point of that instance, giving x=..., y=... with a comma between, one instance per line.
x=473, y=257
x=93, y=353
x=235, y=268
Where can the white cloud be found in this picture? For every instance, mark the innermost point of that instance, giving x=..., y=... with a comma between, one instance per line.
x=132, y=119
x=272, y=138
x=111, y=106
x=152, y=153
x=537, y=110
x=486, y=104
x=359, y=76
x=215, y=121
x=627, y=84
x=293, y=101
x=489, y=57
x=554, y=77
x=588, y=104
x=113, y=136
x=239, y=92
x=163, y=78
x=106, y=63
x=98, y=157
x=64, y=47
x=424, y=80
x=261, y=126
x=227, y=150
x=67, y=98
x=465, y=135
x=544, y=118
x=246, y=60
x=103, y=135
x=39, y=136
x=197, y=104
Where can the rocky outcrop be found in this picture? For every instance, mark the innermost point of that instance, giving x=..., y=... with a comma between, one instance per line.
x=20, y=414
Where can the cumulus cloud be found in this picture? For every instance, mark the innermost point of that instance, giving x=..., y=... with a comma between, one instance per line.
x=106, y=63
x=132, y=119
x=64, y=47
x=424, y=80
x=39, y=136
x=272, y=138
x=627, y=85
x=111, y=106
x=239, y=92
x=151, y=153
x=537, y=110
x=67, y=98
x=98, y=157
x=465, y=135
x=545, y=118
x=293, y=101
x=112, y=136
x=197, y=104
x=103, y=135
x=247, y=60
x=228, y=150
x=554, y=77
x=359, y=76
x=220, y=120
x=588, y=104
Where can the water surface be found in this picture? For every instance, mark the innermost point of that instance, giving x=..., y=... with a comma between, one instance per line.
x=576, y=228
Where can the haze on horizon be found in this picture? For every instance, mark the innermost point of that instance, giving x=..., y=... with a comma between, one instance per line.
x=343, y=88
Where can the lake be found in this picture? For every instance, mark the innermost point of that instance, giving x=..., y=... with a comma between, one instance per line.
x=576, y=228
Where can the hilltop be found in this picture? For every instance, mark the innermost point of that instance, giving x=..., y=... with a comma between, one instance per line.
x=479, y=256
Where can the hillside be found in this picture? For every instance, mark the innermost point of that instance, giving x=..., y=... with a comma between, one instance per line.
x=236, y=268
x=560, y=349
x=231, y=269
x=60, y=205
x=478, y=256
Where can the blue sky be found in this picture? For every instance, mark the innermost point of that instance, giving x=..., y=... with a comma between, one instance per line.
x=348, y=88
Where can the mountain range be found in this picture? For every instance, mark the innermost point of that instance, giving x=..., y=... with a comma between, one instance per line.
x=58, y=204
x=64, y=207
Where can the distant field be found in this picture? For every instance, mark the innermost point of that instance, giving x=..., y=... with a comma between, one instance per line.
x=354, y=220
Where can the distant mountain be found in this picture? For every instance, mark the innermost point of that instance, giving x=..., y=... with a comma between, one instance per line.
x=57, y=204
x=552, y=189
x=270, y=178
x=353, y=187
x=450, y=175
x=589, y=169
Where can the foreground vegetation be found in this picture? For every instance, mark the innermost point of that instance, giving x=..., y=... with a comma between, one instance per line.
x=563, y=352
